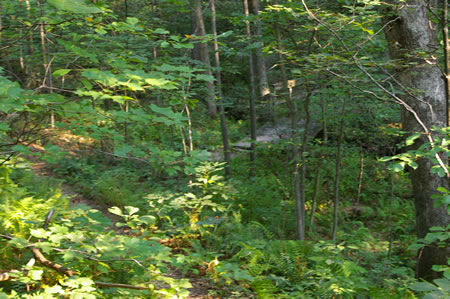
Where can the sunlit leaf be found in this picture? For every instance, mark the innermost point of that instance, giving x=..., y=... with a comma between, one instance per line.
x=61, y=72
x=410, y=140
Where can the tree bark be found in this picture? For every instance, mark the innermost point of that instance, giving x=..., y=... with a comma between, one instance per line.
x=223, y=123
x=446, y=53
x=46, y=63
x=252, y=99
x=203, y=54
x=263, y=83
x=427, y=96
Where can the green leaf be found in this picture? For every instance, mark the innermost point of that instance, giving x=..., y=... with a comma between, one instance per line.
x=397, y=167
x=161, y=83
x=19, y=243
x=61, y=72
x=21, y=148
x=410, y=139
x=116, y=211
x=443, y=283
x=442, y=189
x=416, y=246
x=75, y=6
x=132, y=21
x=86, y=84
x=423, y=287
x=203, y=77
x=148, y=219
x=413, y=165
x=35, y=274
x=38, y=233
x=160, y=31
x=77, y=236
x=131, y=210
x=385, y=159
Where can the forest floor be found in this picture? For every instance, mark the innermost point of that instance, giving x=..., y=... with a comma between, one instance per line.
x=201, y=286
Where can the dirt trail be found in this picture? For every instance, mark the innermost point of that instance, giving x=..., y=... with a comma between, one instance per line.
x=200, y=286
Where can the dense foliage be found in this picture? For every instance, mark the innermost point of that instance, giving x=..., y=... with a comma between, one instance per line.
x=111, y=184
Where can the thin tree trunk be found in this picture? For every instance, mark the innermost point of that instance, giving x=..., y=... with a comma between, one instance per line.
x=204, y=57
x=264, y=89
x=389, y=220
x=361, y=175
x=338, y=172
x=1, y=22
x=252, y=99
x=126, y=122
x=223, y=124
x=48, y=79
x=410, y=35
x=446, y=54
x=317, y=180
x=294, y=122
x=300, y=204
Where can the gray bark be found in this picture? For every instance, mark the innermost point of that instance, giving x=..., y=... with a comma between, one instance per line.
x=446, y=52
x=203, y=55
x=223, y=123
x=263, y=83
x=252, y=96
x=427, y=96
x=260, y=61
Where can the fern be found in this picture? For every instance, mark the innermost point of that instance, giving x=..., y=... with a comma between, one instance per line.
x=259, y=228
x=265, y=288
x=21, y=209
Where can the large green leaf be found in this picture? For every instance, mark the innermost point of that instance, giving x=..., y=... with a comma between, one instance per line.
x=75, y=6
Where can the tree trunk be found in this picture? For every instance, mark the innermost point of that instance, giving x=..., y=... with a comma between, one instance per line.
x=446, y=53
x=295, y=153
x=47, y=81
x=338, y=172
x=264, y=89
x=203, y=54
x=252, y=96
x=317, y=180
x=427, y=96
x=223, y=124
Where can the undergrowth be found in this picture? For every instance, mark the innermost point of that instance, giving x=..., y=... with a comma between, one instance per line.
x=233, y=233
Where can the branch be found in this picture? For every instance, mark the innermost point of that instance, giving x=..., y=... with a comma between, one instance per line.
x=49, y=264
x=6, y=275
x=44, y=261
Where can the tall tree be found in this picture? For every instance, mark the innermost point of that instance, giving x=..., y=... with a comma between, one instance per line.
x=409, y=33
x=263, y=83
x=295, y=154
x=223, y=123
x=202, y=53
x=446, y=52
x=252, y=94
